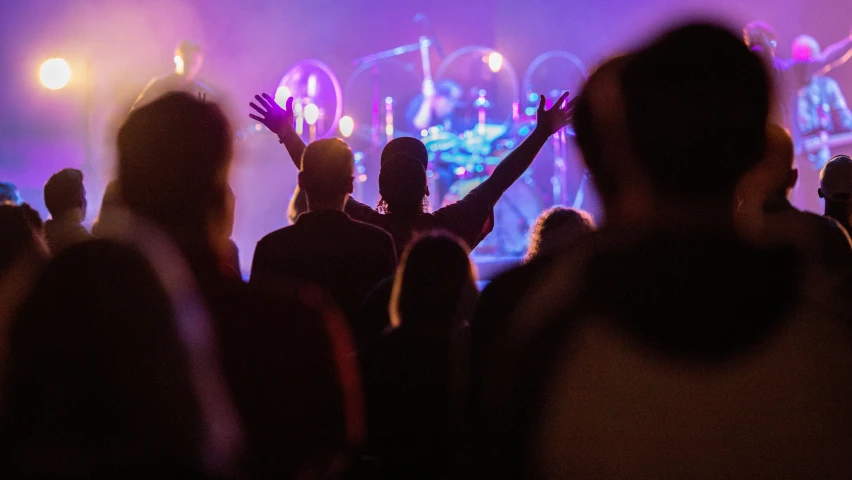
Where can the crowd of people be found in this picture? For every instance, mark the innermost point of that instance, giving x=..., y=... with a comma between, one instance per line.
x=703, y=331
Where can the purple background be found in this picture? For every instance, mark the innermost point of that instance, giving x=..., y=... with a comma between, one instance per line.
x=251, y=43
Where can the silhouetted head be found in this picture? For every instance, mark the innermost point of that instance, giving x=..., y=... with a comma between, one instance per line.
x=556, y=228
x=189, y=57
x=408, y=145
x=327, y=174
x=173, y=160
x=760, y=38
x=64, y=192
x=402, y=186
x=9, y=194
x=805, y=48
x=835, y=186
x=21, y=227
x=697, y=103
x=435, y=285
x=601, y=128
x=775, y=176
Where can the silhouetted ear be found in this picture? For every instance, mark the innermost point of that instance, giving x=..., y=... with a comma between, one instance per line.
x=794, y=177
x=427, y=190
x=819, y=192
x=351, y=185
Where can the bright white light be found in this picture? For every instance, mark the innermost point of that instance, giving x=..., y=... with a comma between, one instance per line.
x=281, y=95
x=495, y=62
x=311, y=113
x=460, y=171
x=347, y=126
x=55, y=73
x=312, y=86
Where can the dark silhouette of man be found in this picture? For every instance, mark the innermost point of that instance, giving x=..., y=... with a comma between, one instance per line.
x=666, y=331
x=346, y=257
x=835, y=186
x=65, y=199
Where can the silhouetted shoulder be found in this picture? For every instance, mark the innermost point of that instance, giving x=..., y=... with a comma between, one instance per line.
x=372, y=231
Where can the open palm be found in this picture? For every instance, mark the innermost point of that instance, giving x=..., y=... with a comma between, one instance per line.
x=275, y=118
x=558, y=117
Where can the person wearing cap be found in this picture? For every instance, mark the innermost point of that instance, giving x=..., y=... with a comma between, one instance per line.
x=189, y=56
x=835, y=186
x=65, y=199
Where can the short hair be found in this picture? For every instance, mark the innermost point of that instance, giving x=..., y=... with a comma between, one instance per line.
x=64, y=191
x=188, y=47
x=557, y=227
x=173, y=160
x=327, y=168
x=697, y=102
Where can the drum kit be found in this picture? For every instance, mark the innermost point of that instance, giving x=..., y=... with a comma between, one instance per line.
x=491, y=116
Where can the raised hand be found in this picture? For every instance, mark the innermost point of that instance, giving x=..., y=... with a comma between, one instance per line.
x=275, y=118
x=559, y=116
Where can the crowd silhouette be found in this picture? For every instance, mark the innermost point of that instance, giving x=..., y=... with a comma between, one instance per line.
x=702, y=331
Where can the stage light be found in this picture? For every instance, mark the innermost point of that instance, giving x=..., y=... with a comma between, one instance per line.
x=495, y=61
x=312, y=86
x=55, y=73
x=347, y=126
x=460, y=171
x=282, y=93
x=311, y=113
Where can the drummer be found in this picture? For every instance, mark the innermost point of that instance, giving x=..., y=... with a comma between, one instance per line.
x=438, y=105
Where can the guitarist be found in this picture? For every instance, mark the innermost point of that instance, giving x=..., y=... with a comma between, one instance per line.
x=796, y=79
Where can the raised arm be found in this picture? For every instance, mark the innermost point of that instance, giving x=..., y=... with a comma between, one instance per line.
x=833, y=56
x=516, y=163
x=280, y=122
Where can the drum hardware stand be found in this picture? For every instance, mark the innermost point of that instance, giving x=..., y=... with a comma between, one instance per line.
x=560, y=170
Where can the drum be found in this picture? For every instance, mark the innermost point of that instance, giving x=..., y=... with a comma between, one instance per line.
x=514, y=214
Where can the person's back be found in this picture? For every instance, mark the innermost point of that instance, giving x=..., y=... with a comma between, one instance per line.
x=345, y=257
x=416, y=374
x=668, y=346
x=677, y=375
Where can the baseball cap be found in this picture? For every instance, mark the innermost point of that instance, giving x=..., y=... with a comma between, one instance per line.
x=835, y=179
